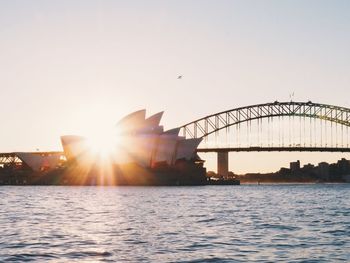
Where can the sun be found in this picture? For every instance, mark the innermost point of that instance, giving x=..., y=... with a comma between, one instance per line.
x=103, y=143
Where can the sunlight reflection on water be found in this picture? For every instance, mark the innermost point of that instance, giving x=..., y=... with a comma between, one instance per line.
x=172, y=224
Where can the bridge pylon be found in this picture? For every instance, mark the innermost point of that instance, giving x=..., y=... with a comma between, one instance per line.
x=222, y=163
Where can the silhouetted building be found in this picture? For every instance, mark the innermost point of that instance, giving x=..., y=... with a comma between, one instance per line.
x=322, y=171
x=294, y=166
x=343, y=166
x=284, y=171
x=308, y=166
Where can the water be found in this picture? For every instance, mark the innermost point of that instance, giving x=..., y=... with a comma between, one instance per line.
x=291, y=223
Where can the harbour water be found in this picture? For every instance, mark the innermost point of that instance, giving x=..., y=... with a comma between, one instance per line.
x=247, y=223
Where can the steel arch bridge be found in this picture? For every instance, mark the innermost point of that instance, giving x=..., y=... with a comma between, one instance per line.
x=213, y=124
x=210, y=124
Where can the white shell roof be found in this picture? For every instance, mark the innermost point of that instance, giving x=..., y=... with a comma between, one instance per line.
x=144, y=139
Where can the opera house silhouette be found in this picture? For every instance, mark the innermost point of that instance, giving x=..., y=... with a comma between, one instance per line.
x=140, y=153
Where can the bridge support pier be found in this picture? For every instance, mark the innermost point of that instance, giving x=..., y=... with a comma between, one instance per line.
x=223, y=164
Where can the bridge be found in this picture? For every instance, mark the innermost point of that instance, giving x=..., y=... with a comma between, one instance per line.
x=277, y=126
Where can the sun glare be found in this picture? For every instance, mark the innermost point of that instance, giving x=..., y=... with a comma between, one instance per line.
x=103, y=143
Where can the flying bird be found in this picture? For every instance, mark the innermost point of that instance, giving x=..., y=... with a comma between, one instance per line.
x=179, y=77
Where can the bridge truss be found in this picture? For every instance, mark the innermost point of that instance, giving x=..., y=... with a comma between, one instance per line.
x=331, y=115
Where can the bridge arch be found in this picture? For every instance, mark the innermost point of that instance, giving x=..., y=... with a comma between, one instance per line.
x=213, y=123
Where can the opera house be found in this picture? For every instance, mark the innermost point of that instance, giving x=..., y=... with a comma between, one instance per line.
x=140, y=140
x=140, y=153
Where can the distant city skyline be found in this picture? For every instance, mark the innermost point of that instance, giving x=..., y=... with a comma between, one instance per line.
x=75, y=67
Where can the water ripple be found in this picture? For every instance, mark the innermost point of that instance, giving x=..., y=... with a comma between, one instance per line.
x=267, y=223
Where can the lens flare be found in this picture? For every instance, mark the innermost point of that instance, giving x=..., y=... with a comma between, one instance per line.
x=103, y=144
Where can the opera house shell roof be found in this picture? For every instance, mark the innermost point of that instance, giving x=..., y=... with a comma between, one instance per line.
x=140, y=140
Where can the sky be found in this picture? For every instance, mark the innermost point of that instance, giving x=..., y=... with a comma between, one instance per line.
x=71, y=67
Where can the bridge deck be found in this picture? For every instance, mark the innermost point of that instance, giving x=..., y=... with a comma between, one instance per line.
x=275, y=149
